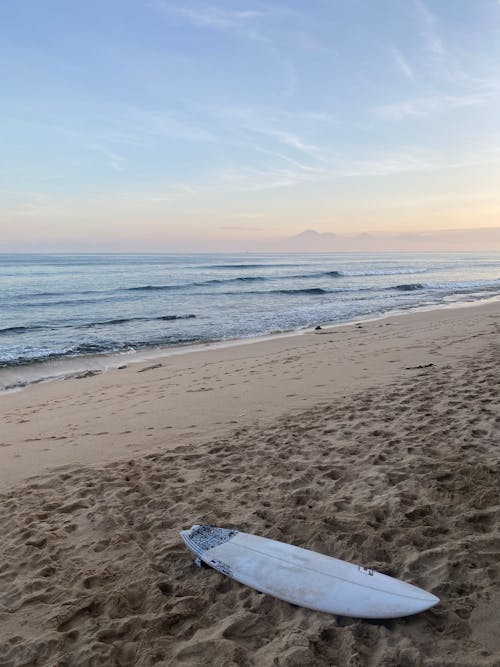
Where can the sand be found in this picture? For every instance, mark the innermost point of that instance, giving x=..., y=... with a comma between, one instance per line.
x=376, y=443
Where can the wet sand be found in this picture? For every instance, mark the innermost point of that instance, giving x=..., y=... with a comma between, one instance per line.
x=376, y=443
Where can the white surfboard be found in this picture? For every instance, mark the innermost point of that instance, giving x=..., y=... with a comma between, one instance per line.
x=304, y=577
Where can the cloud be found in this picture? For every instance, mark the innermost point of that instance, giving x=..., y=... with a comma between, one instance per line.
x=279, y=127
x=402, y=64
x=427, y=106
x=256, y=180
x=210, y=16
x=235, y=228
x=249, y=216
x=117, y=162
x=293, y=162
x=241, y=22
x=387, y=164
x=268, y=178
x=289, y=139
x=255, y=117
x=433, y=41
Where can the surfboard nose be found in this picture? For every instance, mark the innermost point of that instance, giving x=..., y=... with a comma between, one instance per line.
x=428, y=600
x=433, y=600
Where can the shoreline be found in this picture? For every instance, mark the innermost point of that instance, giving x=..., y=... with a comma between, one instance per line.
x=157, y=402
x=23, y=376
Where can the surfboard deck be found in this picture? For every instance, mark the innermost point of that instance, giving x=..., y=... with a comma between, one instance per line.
x=303, y=577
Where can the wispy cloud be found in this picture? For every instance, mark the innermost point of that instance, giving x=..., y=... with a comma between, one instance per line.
x=161, y=195
x=187, y=198
x=433, y=42
x=256, y=179
x=255, y=115
x=295, y=163
x=116, y=161
x=402, y=64
x=289, y=139
x=418, y=160
x=216, y=18
x=427, y=106
x=275, y=177
x=388, y=163
x=236, y=228
x=282, y=129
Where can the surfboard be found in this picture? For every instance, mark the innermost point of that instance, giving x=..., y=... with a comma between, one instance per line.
x=303, y=577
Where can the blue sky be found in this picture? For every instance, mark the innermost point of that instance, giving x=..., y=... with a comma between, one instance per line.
x=169, y=125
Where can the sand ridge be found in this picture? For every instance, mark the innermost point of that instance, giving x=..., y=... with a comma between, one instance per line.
x=402, y=477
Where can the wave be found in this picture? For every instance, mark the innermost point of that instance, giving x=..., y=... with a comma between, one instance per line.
x=17, y=330
x=27, y=357
x=384, y=272
x=214, y=281
x=408, y=287
x=175, y=317
x=468, y=285
x=334, y=273
x=37, y=294
x=32, y=356
x=92, y=325
x=241, y=279
x=152, y=288
x=311, y=290
x=112, y=295
x=226, y=281
x=242, y=266
x=304, y=290
x=316, y=274
x=74, y=302
x=79, y=293
x=126, y=320
x=451, y=287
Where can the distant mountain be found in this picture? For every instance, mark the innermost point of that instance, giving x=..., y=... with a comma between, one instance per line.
x=310, y=240
x=313, y=234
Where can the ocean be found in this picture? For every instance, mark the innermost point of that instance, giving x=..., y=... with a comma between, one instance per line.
x=56, y=307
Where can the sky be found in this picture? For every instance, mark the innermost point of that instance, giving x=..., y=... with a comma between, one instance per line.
x=147, y=125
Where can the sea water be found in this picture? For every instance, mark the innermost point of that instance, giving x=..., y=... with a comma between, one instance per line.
x=55, y=307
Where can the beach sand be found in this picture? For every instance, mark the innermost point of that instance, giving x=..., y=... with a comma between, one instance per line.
x=375, y=443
